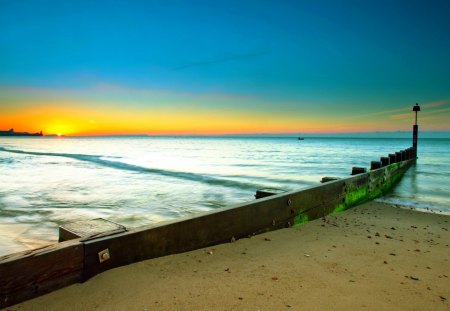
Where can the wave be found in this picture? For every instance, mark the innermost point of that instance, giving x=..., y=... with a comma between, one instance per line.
x=283, y=181
x=418, y=205
x=99, y=160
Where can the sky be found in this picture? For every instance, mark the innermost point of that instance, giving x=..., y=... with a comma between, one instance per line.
x=223, y=67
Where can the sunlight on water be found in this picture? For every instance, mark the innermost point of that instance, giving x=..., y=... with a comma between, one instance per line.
x=46, y=182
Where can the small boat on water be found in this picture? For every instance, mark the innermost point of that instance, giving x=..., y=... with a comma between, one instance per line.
x=301, y=138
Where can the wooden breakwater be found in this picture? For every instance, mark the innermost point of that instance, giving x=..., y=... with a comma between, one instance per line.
x=29, y=274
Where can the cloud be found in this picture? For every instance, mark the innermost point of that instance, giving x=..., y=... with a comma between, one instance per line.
x=436, y=104
x=389, y=113
x=407, y=110
x=401, y=116
x=439, y=111
x=425, y=113
x=222, y=60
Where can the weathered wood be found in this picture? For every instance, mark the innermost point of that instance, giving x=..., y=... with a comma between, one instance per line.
x=375, y=165
x=412, y=153
x=409, y=154
x=384, y=161
x=358, y=189
x=358, y=170
x=415, y=137
x=238, y=221
x=88, y=228
x=328, y=179
x=30, y=274
x=266, y=192
x=392, y=158
x=189, y=233
x=317, y=202
x=403, y=152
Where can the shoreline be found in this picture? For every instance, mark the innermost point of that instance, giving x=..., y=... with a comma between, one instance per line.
x=373, y=256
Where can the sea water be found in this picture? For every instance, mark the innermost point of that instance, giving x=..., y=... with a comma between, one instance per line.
x=47, y=181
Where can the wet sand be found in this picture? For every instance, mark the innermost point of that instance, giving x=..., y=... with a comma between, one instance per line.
x=372, y=257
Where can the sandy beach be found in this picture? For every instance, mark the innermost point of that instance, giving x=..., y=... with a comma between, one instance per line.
x=372, y=257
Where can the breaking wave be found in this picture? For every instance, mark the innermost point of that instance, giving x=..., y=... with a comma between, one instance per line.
x=99, y=160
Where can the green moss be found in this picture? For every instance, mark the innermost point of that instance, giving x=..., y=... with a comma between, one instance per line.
x=339, y=208
x=300, y=219
x=358, y=192
x=355, y=196
x=393, y=176
x=393, y=166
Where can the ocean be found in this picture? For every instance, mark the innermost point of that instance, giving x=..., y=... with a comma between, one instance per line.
x=47, y=181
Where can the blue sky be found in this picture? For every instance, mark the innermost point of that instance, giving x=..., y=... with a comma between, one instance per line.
x=329, y=58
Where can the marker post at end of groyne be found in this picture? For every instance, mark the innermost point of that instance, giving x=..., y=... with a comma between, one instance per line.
x=416, y=109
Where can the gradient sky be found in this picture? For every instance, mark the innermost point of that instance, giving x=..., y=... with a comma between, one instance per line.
x=210, y=67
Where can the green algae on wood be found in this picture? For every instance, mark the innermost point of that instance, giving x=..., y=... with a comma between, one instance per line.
x=300, y=219
x=356, y=190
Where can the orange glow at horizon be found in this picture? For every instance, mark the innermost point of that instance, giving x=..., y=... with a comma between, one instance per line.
x=74, y=118
x=166, y=123
x=117, y=110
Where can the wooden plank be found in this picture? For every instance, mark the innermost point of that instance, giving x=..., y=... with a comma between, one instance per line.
x=319, y=201
x=88, y=228
x=318, y=196
x=29, y=274
x=190, y=233
x=266, y=192
x=211, y=228
x=220, y=226
x=328, y=179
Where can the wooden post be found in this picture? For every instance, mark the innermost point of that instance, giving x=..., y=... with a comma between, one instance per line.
x=416, y=109
x=392, y=158
x=409, y=153
x=398, y=157
x=403, y=152
x=358, y=170
x=375, y=165
x=415, y=137
x=384, y=161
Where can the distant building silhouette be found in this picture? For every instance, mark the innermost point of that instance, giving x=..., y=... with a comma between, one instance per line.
x=11, y=132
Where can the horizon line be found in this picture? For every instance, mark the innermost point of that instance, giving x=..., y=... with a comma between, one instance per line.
x=289, y=134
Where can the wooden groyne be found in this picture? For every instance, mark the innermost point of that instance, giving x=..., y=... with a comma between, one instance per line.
x=30, y=274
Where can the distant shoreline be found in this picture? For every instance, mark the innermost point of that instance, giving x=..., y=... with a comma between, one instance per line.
x=223, y=136
x=12, y=133
x=376, y=134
